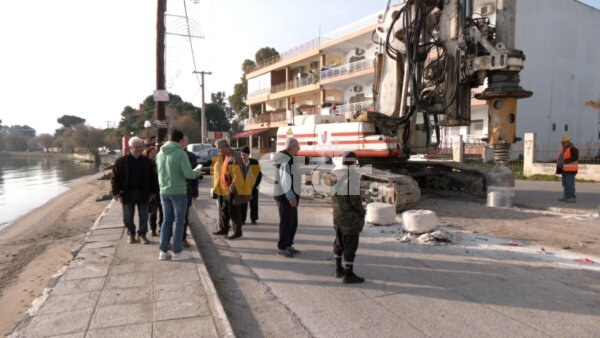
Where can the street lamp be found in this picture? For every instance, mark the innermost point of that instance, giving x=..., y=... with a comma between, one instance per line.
x=147, y=125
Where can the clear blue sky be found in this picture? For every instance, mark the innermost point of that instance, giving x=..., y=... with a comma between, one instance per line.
x=93, y=58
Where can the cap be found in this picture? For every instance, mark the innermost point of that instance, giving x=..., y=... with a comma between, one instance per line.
x=565, y=138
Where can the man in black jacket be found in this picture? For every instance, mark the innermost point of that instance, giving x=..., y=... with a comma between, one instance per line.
x=252, y=168
x=287, y=195
x=134, y=184
x=192, y=189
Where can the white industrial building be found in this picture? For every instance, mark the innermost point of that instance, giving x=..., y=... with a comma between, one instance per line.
x=561, y=42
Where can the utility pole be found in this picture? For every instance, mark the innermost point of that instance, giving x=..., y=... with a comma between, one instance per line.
x=203, y=116
x=160, y=67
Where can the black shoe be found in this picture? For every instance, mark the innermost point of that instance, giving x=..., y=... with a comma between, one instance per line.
x=285, y=253
x=293, y=250
x=221, y=232
x=351, y=278
x=153, y=233
x=254, y=222
x=339, y=272
x=234, y=236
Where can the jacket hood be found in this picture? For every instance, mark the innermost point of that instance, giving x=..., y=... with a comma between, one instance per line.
x=170, y=147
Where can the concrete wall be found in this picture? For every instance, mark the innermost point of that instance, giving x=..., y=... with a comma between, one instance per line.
x=587, y=172
x=561, y=41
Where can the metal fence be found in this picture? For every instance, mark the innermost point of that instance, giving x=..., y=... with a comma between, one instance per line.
x=589, y=153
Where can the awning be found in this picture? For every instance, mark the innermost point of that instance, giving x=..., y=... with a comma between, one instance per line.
x=249, y=133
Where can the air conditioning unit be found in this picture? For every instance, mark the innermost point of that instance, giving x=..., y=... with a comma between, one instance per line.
x=359, y=51
x=357, y=89
x=487, y=9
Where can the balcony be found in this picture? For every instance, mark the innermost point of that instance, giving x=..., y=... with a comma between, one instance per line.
x=288, y=54
x=346, y=69
x=339, y=110
x=280, y=87
x=265, y=120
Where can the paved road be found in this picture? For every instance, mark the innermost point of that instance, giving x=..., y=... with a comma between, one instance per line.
x=545, y=195
x=411, y=290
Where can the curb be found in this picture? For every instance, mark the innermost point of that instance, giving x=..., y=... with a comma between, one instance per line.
x=558, y=210
x=219, y=315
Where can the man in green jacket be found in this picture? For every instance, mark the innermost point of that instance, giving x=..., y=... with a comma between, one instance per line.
x=348, y=216
x=173, y=170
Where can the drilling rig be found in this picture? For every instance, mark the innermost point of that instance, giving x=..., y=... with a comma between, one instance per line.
x=431, y=54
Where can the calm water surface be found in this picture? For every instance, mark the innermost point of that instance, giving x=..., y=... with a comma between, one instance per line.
x=27, y=183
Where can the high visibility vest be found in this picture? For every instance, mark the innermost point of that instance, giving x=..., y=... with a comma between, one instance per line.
x=568, y=167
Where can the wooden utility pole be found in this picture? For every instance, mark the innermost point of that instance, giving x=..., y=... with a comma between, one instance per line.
x=160, y=67
x=203, y=116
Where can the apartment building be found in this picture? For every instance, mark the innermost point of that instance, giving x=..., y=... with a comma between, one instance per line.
x=331, y=74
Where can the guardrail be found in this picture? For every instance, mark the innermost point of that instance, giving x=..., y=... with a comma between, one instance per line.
x=348, y=68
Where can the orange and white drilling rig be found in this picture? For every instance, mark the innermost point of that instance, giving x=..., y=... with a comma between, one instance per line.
x=431, y=54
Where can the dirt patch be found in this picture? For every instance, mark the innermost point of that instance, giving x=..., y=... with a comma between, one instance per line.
x=579, y=234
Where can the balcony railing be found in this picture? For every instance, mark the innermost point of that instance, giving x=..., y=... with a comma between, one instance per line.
x=288, y=54
x=341, y=109
x=268, y=118
x=348, y=68
x=295, y=83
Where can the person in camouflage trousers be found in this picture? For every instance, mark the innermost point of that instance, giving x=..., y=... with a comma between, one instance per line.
x=348, y=217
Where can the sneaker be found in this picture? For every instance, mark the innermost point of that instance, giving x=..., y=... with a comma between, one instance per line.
x=163, y=255
x=221, y=232
x=285, y=253
x=253, y=222
x=562, y=199
x=144, y=240
x=185, y=243
x=351, y=278
x=339, y=272
x=131, y=239
x=153, y=233
x=234, y=236
x=182, y=256
x=293, y=250
x=570, y=200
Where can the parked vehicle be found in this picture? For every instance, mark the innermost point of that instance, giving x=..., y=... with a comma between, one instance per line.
x=205, y=157
x=197, y=147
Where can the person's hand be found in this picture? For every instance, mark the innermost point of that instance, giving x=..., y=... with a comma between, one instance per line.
x=117, y=197
x=294, y=203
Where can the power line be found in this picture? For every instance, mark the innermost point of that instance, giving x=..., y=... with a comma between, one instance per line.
x=187, y=21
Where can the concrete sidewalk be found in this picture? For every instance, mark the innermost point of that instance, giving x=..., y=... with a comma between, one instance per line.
x=116, y=289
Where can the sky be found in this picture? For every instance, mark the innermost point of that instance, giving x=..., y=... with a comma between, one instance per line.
x=93, y=58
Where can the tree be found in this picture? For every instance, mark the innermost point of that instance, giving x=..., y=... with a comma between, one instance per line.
x=45, y=140
x=216, y=118
x=23, y=130
x=88, y=137
x=15, y=142
x=190, y=127
x=264, y=54
x=70, y=120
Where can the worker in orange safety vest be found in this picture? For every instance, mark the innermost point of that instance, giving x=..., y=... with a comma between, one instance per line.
x=567, y=166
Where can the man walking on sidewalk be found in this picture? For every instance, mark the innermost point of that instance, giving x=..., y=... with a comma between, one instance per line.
x=133, y=183
x=567, y=166
x=287, y=197
x=173, y=170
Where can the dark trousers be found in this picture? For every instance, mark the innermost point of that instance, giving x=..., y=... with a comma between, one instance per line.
x=568, y=183
x=156, y=214
x=230, y=213
x=288, y=224
x=253, y=207
x=187, y=215
x=345, y=245
x=136, y=199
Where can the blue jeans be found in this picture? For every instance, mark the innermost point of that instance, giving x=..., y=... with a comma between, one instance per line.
x=568, y=183
x=174, y=207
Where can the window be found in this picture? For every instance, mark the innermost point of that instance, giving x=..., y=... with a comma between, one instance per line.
x=566, y=127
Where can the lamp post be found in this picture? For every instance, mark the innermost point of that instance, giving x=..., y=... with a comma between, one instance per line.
x=147, y=125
